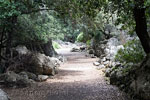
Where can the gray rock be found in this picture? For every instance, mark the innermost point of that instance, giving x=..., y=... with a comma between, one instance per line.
x=91, y=51
x=113, y=77
x=42, y=78
x=32, y=76
x=75, y=50
x=113, y=64
x=36, y=63
x=117, y=64
x=108, y=72
x=22, y=50
x=3, y=95
x=96, y=63
x=24, y=75
x=104, y=59
x=12, y=79
x=55, y=61
x=106, y=62
x=100, y=67
x=42, y=64
x=62, y=59
x=83, y=48
x=91, y=56
x=28, y=75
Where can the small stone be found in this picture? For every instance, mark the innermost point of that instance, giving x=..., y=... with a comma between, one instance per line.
x=117, y=64
x=106, y=62
x=75, y=50
x=91, y=51
x=101, y=66
x=113, y=64
x=24, y=75
x=108, y=72
x=104, y=59
x=96, y=63
x=42, y=78
x=83, y=48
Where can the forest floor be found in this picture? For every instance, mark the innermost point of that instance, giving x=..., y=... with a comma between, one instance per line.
x=78, y=79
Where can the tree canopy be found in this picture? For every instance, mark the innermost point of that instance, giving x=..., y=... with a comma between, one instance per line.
x=38, y=20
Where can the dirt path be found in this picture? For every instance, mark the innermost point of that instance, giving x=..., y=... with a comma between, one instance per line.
x=77, y=80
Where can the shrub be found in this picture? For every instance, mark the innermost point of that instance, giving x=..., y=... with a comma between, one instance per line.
x=99, y=36
x=132, y=52
x=56, y=45
x=88, y=43
x=80, y=37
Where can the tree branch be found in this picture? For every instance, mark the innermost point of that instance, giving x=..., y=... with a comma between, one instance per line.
x=37, y=10
x=1, y=57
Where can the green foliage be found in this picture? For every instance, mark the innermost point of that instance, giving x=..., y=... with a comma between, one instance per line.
x=132, y=52
x=98, y=36
x=56, y=45
x=80, y=37
x=39, y=28
x=8, y=9
x=88, y=43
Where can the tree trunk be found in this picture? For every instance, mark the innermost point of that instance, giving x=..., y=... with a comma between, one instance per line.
x=141, y=26
x=10, y=33
x=48, y=49
x=1, y=42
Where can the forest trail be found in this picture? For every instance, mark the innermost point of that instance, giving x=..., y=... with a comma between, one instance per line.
x=78, y=79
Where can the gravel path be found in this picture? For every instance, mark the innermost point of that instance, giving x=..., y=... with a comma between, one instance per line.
x=78, y=79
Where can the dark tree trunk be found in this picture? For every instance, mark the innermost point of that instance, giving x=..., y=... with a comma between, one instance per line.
x=1, y=42
x=48, y=49
x=141, y=26
x=45, y=48
x=10, y=33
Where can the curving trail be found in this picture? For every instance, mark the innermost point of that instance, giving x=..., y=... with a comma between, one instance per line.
x=78, y=79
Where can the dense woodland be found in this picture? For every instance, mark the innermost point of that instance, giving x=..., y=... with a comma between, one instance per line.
x=37, y=23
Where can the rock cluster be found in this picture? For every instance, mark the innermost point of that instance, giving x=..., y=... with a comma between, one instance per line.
x=131, y=78
x=27, y=67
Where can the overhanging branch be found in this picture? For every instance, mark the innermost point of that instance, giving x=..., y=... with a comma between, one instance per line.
x=1, y=57
x=33, y=11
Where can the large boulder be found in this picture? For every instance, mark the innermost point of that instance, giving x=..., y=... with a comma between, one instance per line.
x=35, y=63
x=41, y=64
x=3, y=95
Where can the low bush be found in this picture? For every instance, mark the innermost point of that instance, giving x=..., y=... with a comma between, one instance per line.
x=56, y=45
x=88, y=43
x=80, y=37
x=132, y=52
x=99, y=36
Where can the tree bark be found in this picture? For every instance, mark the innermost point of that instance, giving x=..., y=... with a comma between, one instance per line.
x=141, y=26
x=48, y=49
x=1, y=42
